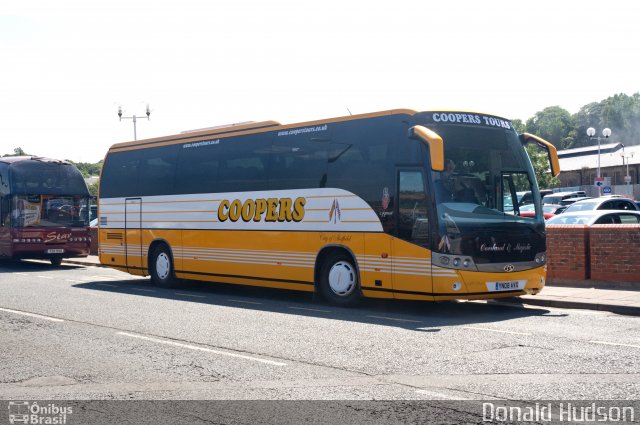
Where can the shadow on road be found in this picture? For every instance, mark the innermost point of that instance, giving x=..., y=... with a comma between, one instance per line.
x=419, y=316
x=32, y=266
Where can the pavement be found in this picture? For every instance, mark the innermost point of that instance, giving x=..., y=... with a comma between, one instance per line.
x=577, y=295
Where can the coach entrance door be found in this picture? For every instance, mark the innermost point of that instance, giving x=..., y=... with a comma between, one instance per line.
x=133, y=235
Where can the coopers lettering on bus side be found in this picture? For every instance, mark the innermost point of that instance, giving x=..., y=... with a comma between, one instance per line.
x=272, y=209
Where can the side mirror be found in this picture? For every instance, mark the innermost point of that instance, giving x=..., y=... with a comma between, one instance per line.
x=433, y=141
x=554, y=162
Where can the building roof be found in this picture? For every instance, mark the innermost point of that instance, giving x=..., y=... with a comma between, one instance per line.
x=610, y=156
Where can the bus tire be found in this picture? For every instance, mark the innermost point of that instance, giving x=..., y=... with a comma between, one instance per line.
x=161, y=267
x=338, y=282
x=56, y=261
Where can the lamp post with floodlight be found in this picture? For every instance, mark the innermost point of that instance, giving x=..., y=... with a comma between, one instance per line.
x=133, y=117
x=627, y=178
x=606, y=133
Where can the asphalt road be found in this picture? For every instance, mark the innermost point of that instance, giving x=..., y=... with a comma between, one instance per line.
x=92, y=333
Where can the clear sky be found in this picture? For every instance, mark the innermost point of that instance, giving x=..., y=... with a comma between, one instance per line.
x=67, y=65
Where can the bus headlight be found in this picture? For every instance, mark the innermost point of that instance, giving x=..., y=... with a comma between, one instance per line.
x=453, y=261
x=541, y=258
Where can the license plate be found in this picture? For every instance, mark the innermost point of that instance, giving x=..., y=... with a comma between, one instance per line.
x=55, y=251
x=508, y=285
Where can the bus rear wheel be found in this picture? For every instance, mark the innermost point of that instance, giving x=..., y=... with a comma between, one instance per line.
x=56, y=261
x=338, y=282
x=161, y=267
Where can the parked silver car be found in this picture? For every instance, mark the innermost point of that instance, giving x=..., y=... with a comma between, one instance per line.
x=592, y=217
x=603, y=203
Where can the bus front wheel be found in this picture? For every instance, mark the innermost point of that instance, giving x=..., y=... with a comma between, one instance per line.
x=161, y=267
x=56, y=261
x=339, y=280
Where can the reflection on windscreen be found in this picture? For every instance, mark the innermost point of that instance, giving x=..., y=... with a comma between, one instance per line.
x=50, y=211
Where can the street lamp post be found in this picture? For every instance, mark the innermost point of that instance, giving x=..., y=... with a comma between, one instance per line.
x=133, y=117
x=606, y=133
x=626, y=157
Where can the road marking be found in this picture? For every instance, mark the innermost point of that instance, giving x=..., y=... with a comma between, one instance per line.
x=246, y=302
x=137, y=289
x=37, y=316
x=495, y=330
x=44, y=277
x=197, y=348
x=75, y=281
x=106, y=284
x=395, y=319
x=190, y=295
x=439, y=396
x=615, y=343
x=310, y=309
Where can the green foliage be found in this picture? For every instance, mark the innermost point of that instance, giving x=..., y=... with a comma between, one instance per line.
x=93, y=189
x=540, y=162
x=519, y=126
x=553, y=124
x=621, y=113
x=87, y=169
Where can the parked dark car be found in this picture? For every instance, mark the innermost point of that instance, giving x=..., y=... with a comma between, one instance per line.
x=563, y=198
x=525, y=198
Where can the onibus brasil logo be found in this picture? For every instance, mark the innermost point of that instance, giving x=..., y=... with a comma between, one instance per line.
x=24, y=412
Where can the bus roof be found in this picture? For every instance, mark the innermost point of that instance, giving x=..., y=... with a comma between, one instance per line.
x=257, y=127
x=16, y=159
x=252, y=127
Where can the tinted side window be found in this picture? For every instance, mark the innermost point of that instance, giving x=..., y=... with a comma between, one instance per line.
x=626, y=205
x=4, y=210
x=413, y=218
x=234, y=164
x=244, y=163
x=4, y=179
x=120, y=175
x=629, y=219
x=157, y=171
x=198, y=167
x=362, y=159
x=298, y=162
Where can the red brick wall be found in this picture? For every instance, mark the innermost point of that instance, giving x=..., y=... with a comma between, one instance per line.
x=567, y=252
x=615, y=252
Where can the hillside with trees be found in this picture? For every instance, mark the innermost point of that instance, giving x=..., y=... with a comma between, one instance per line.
x=621, y=113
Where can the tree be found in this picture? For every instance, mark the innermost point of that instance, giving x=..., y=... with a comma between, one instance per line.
x=540, y=162
x=519, y=126
x=17, y=152
x=93, y=188
x=620, y=112
x=553, y=124
x=88, y=169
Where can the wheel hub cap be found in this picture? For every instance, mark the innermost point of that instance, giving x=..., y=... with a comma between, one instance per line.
x=163, y=265
x=342, y=278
